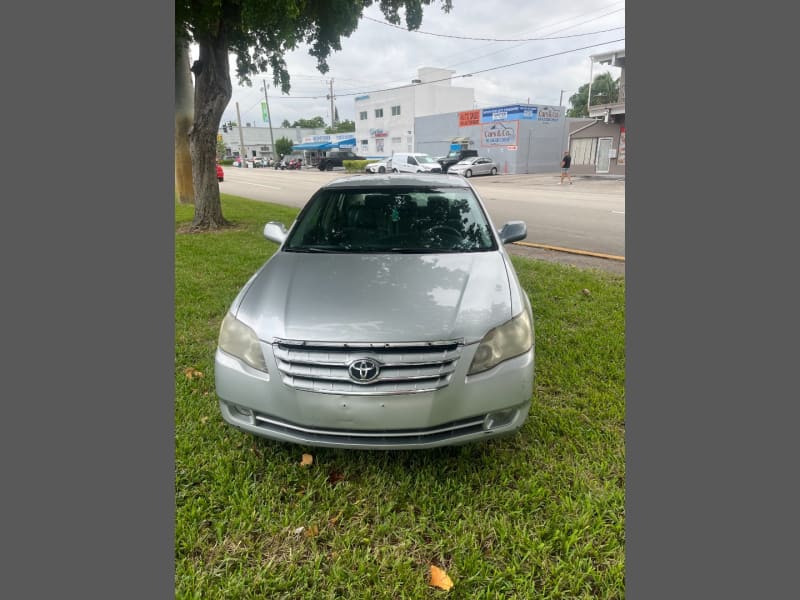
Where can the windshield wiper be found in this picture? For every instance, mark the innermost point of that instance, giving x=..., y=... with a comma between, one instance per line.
x=313, y=249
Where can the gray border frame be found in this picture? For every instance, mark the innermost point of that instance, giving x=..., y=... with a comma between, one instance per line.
x=711, y=497
x=88, y=242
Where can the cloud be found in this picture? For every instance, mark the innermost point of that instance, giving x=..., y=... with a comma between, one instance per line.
x=377, y=56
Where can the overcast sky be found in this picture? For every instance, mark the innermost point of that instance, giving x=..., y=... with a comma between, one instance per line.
x=379, y=56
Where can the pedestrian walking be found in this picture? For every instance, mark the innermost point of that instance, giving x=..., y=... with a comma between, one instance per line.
x=565, y=163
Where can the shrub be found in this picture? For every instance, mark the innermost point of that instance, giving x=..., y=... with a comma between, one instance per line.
x=355, y=166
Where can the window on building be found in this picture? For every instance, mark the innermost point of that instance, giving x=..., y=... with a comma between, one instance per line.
x=395, y=111
x=583, y=151
x=378, y=113
x=364, y=144
x=396, y=141
x=362, y=115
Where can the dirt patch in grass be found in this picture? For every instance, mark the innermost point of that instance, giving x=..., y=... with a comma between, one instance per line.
x=187, y=229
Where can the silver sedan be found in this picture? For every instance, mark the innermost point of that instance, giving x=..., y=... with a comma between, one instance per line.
x=389, y=317
x=475, y=165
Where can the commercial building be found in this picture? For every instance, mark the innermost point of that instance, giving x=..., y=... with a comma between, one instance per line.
x=257, y=141
x=597, y=144
x=520, y=138
x=385, y=120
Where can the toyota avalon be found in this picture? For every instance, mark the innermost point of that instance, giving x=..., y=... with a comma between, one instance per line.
x=389, y=317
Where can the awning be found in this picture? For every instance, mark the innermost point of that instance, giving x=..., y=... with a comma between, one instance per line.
x=313, y=146
x=346, y=143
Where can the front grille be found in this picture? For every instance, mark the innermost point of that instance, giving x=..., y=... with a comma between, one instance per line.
x=405, y=368
x=375, y=438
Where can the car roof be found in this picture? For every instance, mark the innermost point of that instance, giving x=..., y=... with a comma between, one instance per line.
x=399, y=180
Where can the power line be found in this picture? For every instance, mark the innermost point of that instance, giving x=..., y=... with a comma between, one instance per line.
x=480, y=39
x=465, y=74
x=551, y=33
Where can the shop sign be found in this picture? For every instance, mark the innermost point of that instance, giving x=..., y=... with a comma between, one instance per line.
x=502, y=133
x=512, y=112
x=468, y=118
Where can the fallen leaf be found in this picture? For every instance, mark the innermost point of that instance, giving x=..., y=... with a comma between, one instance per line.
x=204, y=419
x=299, y=530
x=191, y=373
x=307, y=460
x=311, y=531
x=334, y=520
x=586, y=292
x=335, y=477
x=440, y=579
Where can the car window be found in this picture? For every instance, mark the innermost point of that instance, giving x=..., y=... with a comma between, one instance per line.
x=399, y=220
x=425, y=159
x=411, y=160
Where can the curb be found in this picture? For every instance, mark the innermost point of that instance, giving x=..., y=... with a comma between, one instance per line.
x=571, y=251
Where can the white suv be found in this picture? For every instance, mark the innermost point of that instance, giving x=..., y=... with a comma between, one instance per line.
x=414, y=162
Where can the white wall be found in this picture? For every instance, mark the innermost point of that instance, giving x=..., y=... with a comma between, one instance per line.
x=414, y=101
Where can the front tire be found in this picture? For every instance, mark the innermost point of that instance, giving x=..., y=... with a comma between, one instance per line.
x=468, y=173
x=494, y=170
x=394, y=170
x=382, y=170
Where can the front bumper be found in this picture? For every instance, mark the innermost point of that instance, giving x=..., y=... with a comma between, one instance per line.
x=471, y=408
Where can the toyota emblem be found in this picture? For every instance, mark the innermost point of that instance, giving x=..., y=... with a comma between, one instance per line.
x=363, y=370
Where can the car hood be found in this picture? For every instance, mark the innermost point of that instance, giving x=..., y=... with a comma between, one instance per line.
x=378, y=297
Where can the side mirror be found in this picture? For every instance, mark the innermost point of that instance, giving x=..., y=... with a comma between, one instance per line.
x=513, y=231
x=275, y=232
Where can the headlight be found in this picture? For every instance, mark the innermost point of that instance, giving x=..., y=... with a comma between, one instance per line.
x=507, y=341
x=238, y=340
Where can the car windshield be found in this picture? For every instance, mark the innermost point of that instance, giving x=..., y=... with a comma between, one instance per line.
x=424, y=159
x=396, y=220
x=454, y=154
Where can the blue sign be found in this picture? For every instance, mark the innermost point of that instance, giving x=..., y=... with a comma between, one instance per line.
x=513, y=112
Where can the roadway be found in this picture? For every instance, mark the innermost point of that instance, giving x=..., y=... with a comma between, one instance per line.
x=588, y=216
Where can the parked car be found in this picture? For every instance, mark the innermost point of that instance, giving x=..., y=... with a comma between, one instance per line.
x=389, y=317
x=477, y=165
x=336, y=158
x=454, y=157
x=414, y=162
x=220, y=173
x=380, y=166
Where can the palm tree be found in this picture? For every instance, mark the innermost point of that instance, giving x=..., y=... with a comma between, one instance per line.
x=605, y=90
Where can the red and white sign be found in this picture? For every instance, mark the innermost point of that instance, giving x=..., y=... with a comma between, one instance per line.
x=512, y=147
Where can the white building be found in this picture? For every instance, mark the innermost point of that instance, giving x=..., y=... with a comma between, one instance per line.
x=385, y=120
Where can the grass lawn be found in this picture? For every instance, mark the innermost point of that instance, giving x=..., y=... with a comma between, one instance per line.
x=537, y=515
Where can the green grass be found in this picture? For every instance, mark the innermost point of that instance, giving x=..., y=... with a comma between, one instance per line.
x=537, y=515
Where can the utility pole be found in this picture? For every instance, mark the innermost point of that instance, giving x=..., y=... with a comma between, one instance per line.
x=269, y=120
x=242, y=153
x=333, y=114
x=561, y=98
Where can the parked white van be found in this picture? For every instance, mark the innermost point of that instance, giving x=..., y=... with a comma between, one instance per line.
x=414, y=162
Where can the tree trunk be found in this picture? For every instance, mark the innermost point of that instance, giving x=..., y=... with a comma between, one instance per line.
x=211, y=95
x=183, y=122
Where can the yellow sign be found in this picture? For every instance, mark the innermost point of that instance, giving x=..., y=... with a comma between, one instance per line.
x=219, y=137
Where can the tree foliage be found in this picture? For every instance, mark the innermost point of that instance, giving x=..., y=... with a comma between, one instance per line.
x=283, y=146
x=345, y=126
x=286, y=123
x=605, y=89
x=315, y=123
x=259, y=34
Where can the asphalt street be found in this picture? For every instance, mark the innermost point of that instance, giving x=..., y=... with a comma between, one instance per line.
x=581, y=224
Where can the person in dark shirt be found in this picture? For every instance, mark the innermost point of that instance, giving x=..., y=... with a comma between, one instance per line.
x=565, y=163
